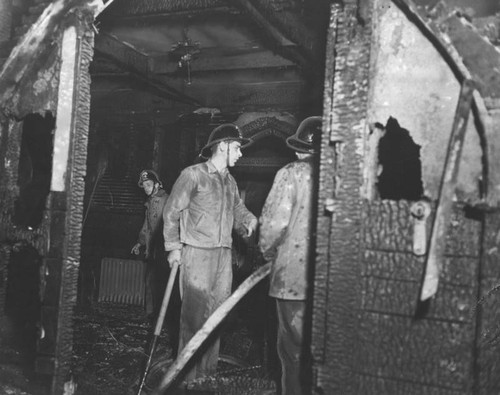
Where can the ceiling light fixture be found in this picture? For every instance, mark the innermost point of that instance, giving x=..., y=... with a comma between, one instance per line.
x=185, y=52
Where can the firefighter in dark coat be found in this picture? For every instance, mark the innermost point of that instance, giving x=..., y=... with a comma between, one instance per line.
x=151, y=239
x=285, y=233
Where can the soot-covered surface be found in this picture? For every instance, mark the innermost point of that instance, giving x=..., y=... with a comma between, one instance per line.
x=110, y=351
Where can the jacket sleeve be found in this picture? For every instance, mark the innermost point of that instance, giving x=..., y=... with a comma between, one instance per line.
x=158, y=224
x=142, y=234
x=276, y=214
x=242, y=216
x=176, y=203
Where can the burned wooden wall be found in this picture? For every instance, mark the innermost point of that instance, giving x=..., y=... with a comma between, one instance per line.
x=403, y=344
x=48, y=72
x=487, y=376
x=370, y=333
x=338, y=262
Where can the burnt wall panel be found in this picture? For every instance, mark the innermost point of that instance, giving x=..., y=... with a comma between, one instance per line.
x=336, y=293
x=409, y=267
x=389, y=226
x=395, y=265
x=428, y=344
x=452, y=303
x=422, y=352
x=369, y=385
x=488, y=340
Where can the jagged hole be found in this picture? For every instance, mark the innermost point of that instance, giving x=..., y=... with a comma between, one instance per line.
x=399, y=160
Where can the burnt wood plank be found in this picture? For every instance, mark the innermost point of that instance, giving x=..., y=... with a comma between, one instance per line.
x=409, y=267
x=336, y=283
x=425, y=352
x=488, y=311
x=369, y=385
x=453, y=303
x=389, y=226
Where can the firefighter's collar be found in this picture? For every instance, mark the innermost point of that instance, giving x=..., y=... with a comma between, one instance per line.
x=212, y=169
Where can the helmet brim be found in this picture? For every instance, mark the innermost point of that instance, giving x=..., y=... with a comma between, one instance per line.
x=299, y=145
x=206, y=151
x=155, y=178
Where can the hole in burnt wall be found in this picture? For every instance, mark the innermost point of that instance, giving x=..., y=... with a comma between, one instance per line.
x=35, y=169
x=400, y=174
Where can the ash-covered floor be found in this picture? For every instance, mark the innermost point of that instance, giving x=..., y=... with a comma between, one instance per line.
x=110, y=351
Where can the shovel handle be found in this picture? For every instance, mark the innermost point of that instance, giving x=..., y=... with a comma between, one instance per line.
x=208, y=327
x=159, y=322
x=166, y=298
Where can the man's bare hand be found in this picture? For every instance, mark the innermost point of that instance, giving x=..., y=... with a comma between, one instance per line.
x=136, y=249
x=174, y=256
x=252, y=227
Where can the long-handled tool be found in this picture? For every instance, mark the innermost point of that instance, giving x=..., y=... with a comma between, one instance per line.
x=159, y=322
x=437, y=243
x=212, y=322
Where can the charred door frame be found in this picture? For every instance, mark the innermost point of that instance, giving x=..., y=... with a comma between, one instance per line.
x=36, y=60
x=66, y=213
x=339, y=222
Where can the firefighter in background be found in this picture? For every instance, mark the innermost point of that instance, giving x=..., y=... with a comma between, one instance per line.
x=151, y=240
x=203, y=209
x=285, y=234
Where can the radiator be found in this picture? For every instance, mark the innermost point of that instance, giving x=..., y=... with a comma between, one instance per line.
x=122, y=281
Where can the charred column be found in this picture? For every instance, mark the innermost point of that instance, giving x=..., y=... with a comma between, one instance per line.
x=336, y=287
x=65, y=208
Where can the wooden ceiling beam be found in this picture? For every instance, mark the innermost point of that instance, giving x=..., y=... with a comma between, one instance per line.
x=284, y=45
x=223, y=59
x=150, y=7
x=210, y=59
x=167, y=15
x=270, y=30
x=138, y=64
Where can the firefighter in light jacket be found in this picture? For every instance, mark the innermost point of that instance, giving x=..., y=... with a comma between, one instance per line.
x=285, y=235
x=202, y=211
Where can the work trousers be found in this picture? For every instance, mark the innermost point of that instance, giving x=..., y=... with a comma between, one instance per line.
x=289, y=344
x=205, y=282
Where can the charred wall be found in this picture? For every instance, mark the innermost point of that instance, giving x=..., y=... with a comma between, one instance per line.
x=405, y=345
x=32, y=80
x=370, y=332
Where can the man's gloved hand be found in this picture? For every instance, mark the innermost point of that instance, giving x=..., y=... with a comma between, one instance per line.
x=174, y=256
x=136, y=249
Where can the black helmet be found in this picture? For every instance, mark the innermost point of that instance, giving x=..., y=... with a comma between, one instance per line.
x=307, y=135
x=146, y=175
x=224, y=132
